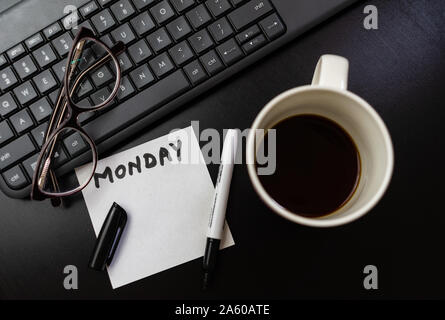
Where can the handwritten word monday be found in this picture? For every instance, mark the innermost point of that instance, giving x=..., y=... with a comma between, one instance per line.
x=146, y=160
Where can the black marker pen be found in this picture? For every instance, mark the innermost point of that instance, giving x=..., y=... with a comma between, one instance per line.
x=218, y=214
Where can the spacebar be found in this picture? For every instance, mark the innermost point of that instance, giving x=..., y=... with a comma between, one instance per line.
x=134, y=109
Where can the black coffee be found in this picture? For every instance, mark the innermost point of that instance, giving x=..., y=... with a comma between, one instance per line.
x=317, y=166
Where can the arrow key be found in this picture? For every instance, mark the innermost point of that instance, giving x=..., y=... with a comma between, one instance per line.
x=272, y=26
x=230, y=52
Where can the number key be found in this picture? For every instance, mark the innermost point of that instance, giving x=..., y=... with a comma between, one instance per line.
x=44, y=55
x=63, y=44
x=25, y=67
x=7, y=78
x=103, y=21
x=122, y=10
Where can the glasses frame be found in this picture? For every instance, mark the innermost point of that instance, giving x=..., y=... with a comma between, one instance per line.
x=66, y=113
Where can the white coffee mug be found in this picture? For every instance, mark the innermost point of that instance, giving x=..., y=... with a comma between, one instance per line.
x=328, y=97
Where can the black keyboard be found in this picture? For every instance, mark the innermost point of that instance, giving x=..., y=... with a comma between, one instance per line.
x=175, y=48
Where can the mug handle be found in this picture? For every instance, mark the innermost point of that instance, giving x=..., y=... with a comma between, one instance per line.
x=331, y=71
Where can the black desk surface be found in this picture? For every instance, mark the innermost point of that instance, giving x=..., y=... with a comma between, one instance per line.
x=400, y=70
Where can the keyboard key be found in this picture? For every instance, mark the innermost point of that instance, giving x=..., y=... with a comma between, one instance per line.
x=124, y=62
x=237, y=2
x=15, y=178
x=45, y=81
x=254, y=44
x=139, y=51
x=88, y=9
x=34, y=41
x=248, y=13
x=179, y=28
x=21, y=121
x=7, y=78
x=3, y=60
x=71, y=21
x=63, y=44
x=16, y=151
x=39, y=133
x=125, y=89
x=161, y=65
x=7, y=104
x=195, y=72
x=30, y=165
x=248, y=34
x=16, y=52
x=143, y=23
x=107, y=40
x=159, y=39
x=41, y=109
x=103, y=21
x=181, y=5
x=201, y=41
x=100, y=96
x=25, y=93
x=141, y=76
x=44, y=55
x=142, y=4
x=60, y=156
x=122, y=10
x=123, y=33
x=85, y=87
x=59, y=69
x=53, y=96
x=97, y=50
x=181, y=53
x=162, y=12
x=221, y=29
x=5, y=132
x=75, y=144
x=101, y=75
x=211, y=62
x=198, y=16
x=218, y=7
x=272, y=26
x=25, y=67
x=230, y=52
x=154, y=96
x=52, y=30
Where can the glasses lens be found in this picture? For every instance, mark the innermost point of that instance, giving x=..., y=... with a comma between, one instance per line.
x=93, y=75
x=67, y=142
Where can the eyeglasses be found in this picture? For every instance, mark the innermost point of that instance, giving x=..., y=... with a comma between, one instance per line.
x=91, y=69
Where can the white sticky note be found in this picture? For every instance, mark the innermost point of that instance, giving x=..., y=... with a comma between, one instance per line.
x=168, y=206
